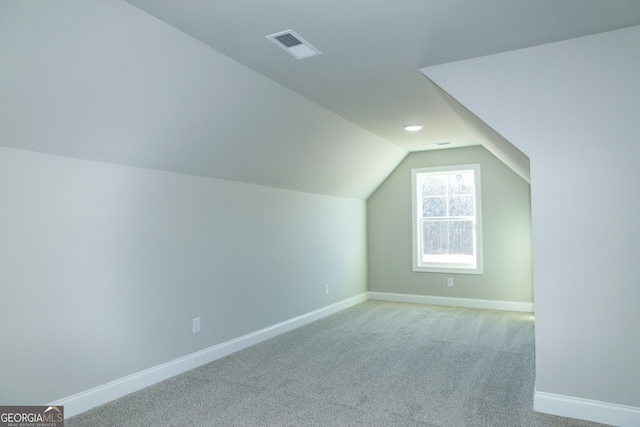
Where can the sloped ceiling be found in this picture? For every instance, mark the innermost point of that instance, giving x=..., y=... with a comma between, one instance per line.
x=194, y=87
x=373, y=50
x=105, y=81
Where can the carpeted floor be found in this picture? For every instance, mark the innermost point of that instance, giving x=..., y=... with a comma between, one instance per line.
x=374, y=364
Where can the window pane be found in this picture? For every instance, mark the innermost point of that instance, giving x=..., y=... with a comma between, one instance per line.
x=461, y=183
x=461, y=206
x=434, y=185
x=447, y=238
x=434, y=207
x=435, y=238
x=461, y=237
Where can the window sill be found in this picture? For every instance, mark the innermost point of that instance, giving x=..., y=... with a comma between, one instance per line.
x=447, y=269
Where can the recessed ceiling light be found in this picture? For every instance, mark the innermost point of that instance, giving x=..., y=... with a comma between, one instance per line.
x=413, y=127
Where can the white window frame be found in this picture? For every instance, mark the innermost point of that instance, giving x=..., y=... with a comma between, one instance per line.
x=418, y=221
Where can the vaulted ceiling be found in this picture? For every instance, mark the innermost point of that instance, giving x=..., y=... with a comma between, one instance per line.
x=193, y=86
x=372, y=50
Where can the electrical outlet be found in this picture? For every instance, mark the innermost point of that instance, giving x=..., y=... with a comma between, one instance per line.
x=450, y=282
x=196, y=325
x=326, y=289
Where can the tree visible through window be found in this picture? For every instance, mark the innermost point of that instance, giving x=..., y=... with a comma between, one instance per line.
x=446, y=217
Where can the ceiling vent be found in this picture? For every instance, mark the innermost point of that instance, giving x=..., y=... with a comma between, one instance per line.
x=294, y=44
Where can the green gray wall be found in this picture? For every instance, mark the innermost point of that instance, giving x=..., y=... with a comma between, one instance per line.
x=506, y=229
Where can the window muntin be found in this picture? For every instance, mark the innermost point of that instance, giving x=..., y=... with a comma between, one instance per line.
x=446, y=219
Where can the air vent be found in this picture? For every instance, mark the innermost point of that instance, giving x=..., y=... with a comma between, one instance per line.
x=288, y=40
x=294, y=44
x=437, y=143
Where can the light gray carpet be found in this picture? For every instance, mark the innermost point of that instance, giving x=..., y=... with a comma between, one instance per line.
x=375, y=364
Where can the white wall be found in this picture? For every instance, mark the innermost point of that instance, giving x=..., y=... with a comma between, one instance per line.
x=103, y=267
x=506, y=232
x=573, y=107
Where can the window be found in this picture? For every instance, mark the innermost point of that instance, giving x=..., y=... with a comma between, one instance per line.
x=446, y=219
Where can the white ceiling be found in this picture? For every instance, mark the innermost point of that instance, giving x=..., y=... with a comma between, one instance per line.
x=193, y=86
x=372, y=50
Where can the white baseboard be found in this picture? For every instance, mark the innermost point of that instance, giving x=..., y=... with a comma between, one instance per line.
x=455, y=302
x=105, y=393
x=585, y=409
